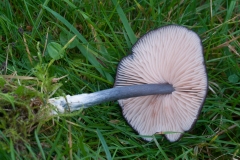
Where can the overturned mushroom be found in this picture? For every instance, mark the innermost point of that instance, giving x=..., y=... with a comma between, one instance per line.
x=161, y=86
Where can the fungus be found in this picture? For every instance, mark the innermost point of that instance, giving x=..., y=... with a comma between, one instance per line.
x=161, y=86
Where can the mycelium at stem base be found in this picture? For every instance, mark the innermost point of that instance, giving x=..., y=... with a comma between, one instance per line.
x=76, y=102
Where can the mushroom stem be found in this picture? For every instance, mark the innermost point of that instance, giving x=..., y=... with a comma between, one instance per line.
x=77, y=102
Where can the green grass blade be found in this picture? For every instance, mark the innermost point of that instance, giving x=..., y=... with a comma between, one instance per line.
x=160, y=148
x=38, y=20
x=39, y=145
x=104, y=144
x=125, y=22
x=183, y=155
x=54, y=145
x=12, y=150
x=31, y=152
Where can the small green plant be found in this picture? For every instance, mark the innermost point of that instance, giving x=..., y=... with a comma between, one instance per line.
x=23, y=106
x=22, y=109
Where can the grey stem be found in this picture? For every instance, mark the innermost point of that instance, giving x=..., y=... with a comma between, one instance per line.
x=86, y=100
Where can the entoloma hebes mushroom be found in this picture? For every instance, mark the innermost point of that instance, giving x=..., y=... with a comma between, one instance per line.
x=161, y=86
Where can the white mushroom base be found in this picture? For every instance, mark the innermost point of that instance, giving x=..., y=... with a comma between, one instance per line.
x=70, y=103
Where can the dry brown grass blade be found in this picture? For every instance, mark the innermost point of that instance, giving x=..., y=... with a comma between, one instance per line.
x=18, y=77
x=226, y=44
x=54, y=80
x=27, y=49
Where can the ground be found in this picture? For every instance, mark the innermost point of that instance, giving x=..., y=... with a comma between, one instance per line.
x=59, y=47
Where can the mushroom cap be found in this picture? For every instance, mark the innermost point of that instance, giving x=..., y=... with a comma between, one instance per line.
x=170, y=54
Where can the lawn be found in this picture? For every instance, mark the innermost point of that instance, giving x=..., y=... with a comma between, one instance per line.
x=58, y=47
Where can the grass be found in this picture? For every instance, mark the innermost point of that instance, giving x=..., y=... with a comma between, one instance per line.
x=51, y=48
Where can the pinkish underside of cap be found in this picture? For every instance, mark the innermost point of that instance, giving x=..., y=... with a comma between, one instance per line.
x=174, y=55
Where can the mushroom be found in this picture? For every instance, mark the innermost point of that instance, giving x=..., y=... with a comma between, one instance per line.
x=161, y=86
